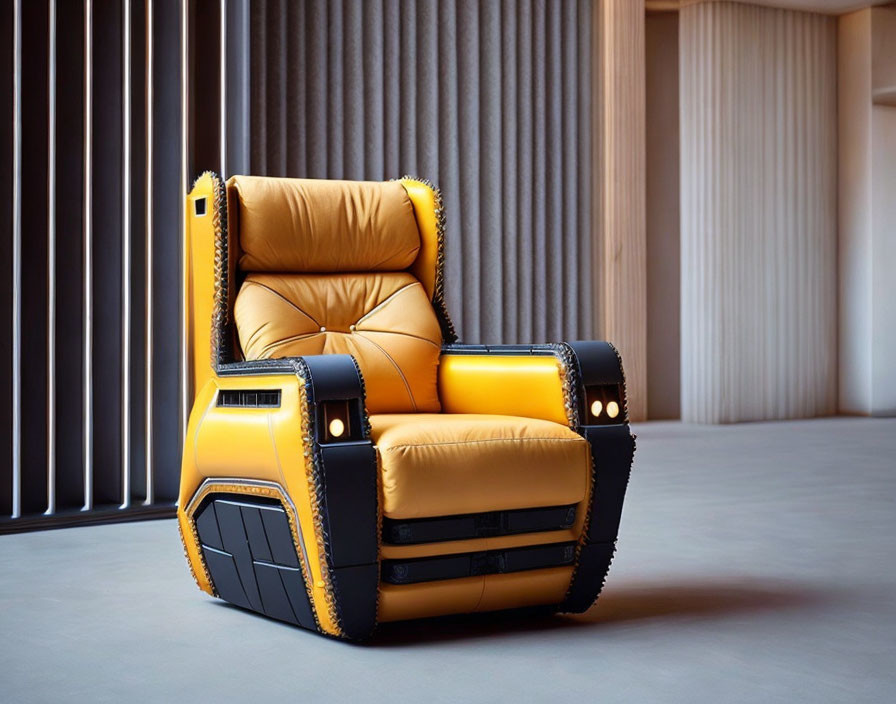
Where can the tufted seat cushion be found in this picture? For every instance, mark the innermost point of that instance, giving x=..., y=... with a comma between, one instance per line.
x=384, y=319
x=445, y=464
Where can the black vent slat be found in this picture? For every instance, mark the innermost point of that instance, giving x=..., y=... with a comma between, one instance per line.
x=249, y=398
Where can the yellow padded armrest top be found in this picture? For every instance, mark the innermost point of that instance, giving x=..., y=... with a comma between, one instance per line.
x=524, y=385
x=309, y=225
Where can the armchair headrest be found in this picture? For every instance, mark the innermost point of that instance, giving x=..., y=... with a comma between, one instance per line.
x=308, y=225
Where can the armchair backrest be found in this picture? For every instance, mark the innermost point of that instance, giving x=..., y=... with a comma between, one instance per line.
x=321, y=267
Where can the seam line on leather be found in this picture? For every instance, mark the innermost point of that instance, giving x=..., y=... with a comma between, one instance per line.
x=284, y=298
x=388, y=299
x=294, y=338
x=395, y=332
x=475, y=442
x=397, y=368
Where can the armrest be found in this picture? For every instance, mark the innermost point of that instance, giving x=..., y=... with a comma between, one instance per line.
x=514, y=380
x=579, y=383
x=297, y=424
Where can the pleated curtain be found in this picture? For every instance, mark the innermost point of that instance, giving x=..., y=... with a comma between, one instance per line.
x=489, y=100
x=758, y=213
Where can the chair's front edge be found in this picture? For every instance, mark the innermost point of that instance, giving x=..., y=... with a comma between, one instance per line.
x=598, y=383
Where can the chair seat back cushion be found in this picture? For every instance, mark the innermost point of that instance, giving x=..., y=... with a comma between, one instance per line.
x=306, y=225
x=384, y=319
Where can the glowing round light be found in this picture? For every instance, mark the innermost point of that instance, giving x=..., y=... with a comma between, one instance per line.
x=337, y=428
x=596, y=408
x=612, y=409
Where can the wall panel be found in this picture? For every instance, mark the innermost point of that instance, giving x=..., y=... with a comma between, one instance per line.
x=95, y=233
x=758, y=213
x=489, y=100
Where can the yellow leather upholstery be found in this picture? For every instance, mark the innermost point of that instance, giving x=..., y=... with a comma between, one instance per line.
x=484, y=449
x=426, y=210
x=527, y=386
x=384, y=320
x=441, y=464
x=319, y=226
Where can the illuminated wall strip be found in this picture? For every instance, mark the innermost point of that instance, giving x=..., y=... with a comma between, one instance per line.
x=17, y=262
x=51, y=262
x=148, y=286
x=184, y=181
x=222, y=110
x=126, y=258
x=88, y=255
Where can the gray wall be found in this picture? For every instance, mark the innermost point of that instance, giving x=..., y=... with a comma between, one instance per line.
x=489, y=100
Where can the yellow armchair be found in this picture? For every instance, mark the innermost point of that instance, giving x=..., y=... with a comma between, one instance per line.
x=346, y=461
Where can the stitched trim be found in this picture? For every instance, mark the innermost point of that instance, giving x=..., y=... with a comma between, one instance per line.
x=438, y=294
x=566, y=351
x=569, y=380
x=295, y=338
x=394, y=332
x=389, y=448
x=386, y=300
x=194, y=537
x=313, y=473
x=283, y=298
x=221, y=351
x=407, y=386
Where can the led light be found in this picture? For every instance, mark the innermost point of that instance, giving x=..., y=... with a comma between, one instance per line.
x=337, y=428
x=612, y=409
x=596, y=408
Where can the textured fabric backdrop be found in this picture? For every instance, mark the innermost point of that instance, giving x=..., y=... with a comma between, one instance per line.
x=489, y=100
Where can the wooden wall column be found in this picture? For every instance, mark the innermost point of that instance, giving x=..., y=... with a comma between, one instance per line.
x=620, y=248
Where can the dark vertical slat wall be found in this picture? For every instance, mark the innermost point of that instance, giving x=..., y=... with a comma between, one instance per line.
x=168, y=198
x=69, y=264
x=34, y=254
x=490, y=100
x=52, y=490
x=6, y=235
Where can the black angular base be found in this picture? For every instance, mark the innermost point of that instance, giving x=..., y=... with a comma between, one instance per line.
x=251, y=557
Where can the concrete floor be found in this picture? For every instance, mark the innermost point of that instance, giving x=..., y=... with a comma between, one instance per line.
x=756, y=563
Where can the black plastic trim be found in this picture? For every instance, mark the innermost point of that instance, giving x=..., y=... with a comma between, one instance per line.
x=612, y=452
x=477, y=525
x=345, y=478
x=249, y=398
x=508, y=350
x=251, y=558
x=472, y=564
x=281, y=365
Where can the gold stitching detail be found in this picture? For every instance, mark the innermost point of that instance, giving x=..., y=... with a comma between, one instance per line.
x=316, y=513
x=195, y=538
x=438, y=294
